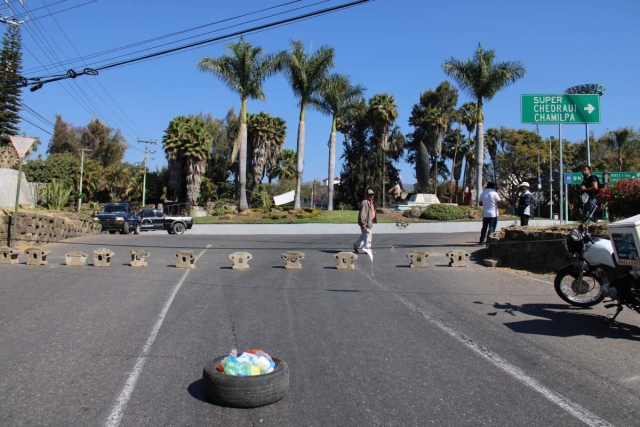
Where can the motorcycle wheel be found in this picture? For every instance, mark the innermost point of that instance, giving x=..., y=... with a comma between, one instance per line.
x=582, y=294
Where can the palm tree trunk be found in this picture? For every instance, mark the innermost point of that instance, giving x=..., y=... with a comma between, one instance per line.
x=479, y=154
x=332, y=164
x=242, y=162
x=422, y=167
x=296, y=202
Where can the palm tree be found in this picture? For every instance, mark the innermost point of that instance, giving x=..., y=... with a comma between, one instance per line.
x=243, y=71
x=287, y=160
x=266, y=135
x=305, y=73
x=336, y=98
x=187, y=144
x=455, y=142
x=482, y=78
x=384, y=112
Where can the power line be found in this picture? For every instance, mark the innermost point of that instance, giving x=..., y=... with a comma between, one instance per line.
x=35, y=125
x=112, y=50
x=203, y=42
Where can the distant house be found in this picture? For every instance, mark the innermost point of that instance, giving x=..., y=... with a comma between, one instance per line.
x=336, y=181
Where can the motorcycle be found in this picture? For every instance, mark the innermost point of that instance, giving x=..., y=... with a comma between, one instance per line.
x=595, y=274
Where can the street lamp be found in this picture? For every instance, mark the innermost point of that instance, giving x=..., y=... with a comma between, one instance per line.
x=594, y=89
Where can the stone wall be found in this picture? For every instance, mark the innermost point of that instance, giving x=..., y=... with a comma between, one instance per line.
x=535, y=248
x=45, y=227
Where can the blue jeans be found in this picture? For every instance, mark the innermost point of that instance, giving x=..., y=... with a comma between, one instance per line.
x=490, y=224
x=589, y=208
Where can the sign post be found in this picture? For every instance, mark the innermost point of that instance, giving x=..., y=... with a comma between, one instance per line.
x=21, y=145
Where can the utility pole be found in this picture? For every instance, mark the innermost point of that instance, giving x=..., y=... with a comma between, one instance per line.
x=539, y=179
x=82, y=151
x=144, y=179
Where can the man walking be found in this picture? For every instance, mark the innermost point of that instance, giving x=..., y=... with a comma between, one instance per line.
x=365, y=220
x=525, y=204
x=490, y=201
x=589, y=187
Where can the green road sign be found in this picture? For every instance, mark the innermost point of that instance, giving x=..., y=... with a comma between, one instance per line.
x=576, y=178
x=621, y=176
x=560, y=109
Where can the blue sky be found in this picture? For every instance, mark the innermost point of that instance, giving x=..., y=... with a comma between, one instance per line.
x=393, y=46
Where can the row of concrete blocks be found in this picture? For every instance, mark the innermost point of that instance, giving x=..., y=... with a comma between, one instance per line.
x=186, y=259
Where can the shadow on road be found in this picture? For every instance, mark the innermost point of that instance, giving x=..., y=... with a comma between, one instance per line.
x=568, y=322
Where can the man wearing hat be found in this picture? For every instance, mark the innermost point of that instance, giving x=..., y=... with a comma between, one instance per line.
x=365, y=220
x=525, y=204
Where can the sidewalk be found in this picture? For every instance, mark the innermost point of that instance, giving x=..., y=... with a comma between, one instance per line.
x=434, y=227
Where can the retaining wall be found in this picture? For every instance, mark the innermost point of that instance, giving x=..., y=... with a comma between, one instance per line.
x=535, y=248
x=44, y=227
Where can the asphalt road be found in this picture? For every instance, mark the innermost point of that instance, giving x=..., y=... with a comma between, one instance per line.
x=382, y=345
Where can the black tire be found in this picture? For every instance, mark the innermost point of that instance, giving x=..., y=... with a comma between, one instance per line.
x=170, y=231
x=581, y=294
x=112, y=231
x=125, y=228
x=245, y=392
x=137, y=229
x=178, y=228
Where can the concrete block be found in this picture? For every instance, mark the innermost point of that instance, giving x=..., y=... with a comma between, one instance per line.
x=139, y=258
x=76, y=258
x=458, y=258
x=418, y=259
x=293, y=259
x=37, y=256
x=345, y=260
x=492, y=262
x=9, y=255
x=102, y=257
x=240, y=260
x=186, y=259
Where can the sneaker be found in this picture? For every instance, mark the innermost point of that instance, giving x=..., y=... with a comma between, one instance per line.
x=355, y=248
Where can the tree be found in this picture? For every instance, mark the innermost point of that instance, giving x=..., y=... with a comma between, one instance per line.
x=336, y=98
x=187, y=145
x=384, y=113
x=305, y=73
x=431, y=118
x=623, y=142
x=243, y=71
x=11, y=85
x=482, y=78
x=107, y=145
x=287, y=162
x=65, y=138
x=265, y=136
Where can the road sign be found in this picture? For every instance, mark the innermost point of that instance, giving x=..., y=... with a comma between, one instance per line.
x=21, y=144
x=576, y=178
x=560, y=109
x=621, y=176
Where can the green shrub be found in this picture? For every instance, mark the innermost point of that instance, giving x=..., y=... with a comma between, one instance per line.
x=56, y=194
x=442, y=213
x=623, y=198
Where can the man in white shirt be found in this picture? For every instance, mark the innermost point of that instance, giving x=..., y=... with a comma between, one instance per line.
x=490, y=201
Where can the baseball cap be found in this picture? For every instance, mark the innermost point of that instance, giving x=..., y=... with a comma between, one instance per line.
x=370, y=192
x=524, y=184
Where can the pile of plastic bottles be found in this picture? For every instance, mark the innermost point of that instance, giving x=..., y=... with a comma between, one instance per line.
x=251, y=362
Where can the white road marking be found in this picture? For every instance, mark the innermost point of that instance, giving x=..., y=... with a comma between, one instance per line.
x=123, y=399
x=573, y=408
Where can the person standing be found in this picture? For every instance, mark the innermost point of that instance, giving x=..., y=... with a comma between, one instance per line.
x=589, y=187
x=366, y=216
x=525, y=204
x=490, y=201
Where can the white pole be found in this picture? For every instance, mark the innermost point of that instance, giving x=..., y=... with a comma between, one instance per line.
x=561, y=177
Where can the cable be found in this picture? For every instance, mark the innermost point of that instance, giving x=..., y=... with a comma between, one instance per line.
x=172, y=34
x=214, y=39
x=33, y=124
x=42, y=118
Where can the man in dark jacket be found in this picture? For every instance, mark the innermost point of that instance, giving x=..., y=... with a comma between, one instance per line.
x=525, y=204
x=589, y=187
x=366, y=217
